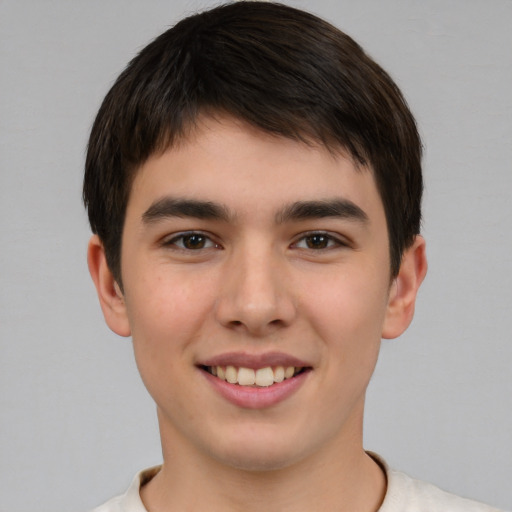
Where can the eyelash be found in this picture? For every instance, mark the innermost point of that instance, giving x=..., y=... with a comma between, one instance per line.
x=332, y=241
x=179, y=241
x=175, y=241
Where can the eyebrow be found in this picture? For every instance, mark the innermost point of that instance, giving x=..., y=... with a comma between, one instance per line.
x=169, y=207
x=172, y=207
x=338, y=208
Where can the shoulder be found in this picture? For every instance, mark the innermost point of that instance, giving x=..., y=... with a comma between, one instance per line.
x=130, y=501
x=406, y=494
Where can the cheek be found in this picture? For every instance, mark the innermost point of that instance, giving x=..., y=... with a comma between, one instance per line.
x=348, y=317
x=350, y=309
x=166, y=315
x=165, y=324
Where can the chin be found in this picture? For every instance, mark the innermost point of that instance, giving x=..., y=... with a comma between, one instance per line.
x=260, y=453
x=258, y=461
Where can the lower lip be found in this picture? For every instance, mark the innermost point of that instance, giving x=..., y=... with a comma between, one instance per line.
x=256, y=397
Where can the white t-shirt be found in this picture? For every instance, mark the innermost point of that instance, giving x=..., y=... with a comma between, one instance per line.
x=404, y=494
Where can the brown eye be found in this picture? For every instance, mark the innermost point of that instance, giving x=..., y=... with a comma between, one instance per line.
x=317, y=241
x=195, y=241
x=191, y=242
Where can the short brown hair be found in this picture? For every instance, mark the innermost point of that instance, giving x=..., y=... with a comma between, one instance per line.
x=282, y=70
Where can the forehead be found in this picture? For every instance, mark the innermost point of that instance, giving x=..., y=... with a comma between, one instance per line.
x=248, y=170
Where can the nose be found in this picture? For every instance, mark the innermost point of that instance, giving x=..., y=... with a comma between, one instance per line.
x=256, y=293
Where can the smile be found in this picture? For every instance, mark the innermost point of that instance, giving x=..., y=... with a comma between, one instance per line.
x=261, y=377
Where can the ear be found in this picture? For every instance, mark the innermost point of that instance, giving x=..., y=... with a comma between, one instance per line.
x=404, y=289
x=109, y=293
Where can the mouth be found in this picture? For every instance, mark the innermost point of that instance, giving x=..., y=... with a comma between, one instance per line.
x=256, y=378
x=255, y=381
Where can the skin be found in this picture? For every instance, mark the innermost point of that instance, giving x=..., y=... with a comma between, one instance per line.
x=254, y=282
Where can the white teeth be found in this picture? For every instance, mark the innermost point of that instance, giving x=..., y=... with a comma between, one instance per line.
x=246, y=377
x=231, y=374
x=263, y=377
x=279, y=374
x=290, y=370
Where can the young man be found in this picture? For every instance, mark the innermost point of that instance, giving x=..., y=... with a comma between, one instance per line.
x=253, y=180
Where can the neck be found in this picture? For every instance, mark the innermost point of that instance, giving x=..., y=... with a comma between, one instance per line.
x=340, y=476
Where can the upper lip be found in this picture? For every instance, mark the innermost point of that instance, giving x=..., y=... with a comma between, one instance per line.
x=254, y=361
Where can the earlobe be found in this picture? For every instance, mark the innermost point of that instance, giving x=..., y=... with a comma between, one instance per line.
x=109, y=293
x=402, y=297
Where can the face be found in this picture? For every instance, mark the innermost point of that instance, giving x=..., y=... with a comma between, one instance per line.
x=256, y=287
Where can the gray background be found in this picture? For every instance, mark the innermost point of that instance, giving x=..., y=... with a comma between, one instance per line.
x=77, y=423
